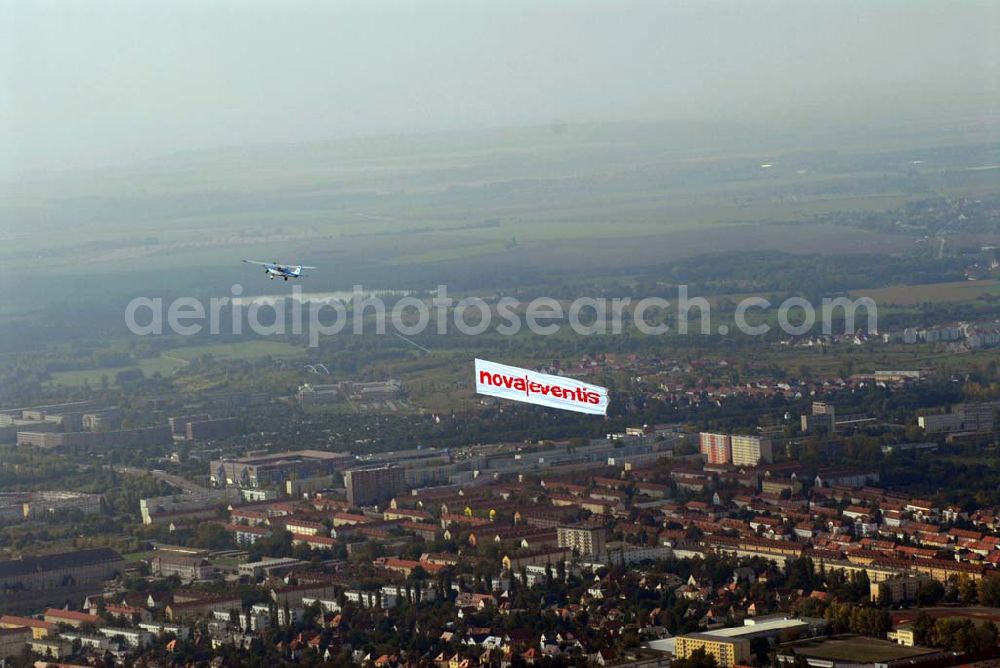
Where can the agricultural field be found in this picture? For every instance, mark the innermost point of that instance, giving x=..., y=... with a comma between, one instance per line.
x=242, y=350
x=175, y=359
x=872, y=357
x=908, y=295
x=486, y=209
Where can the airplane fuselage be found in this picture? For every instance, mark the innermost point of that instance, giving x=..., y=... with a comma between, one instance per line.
x=279, y=271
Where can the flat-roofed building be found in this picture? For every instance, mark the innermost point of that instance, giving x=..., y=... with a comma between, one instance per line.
x=204, y=430
x=366, y=486
x=300, y=486
x=899, y=589
x=192, y=505
x=268, y=566
x=726, y=651
x=202, y=607
x=182, y=631
x=86, y=439
x=269, y=470
x=178, y=424
x=186, y=567
x=715, y=447
x=313, y=394
x=582, y=539
x=93, y=641
x=45, y=504
x=54, y=570
x=55, y=648
x=932, y=424
x=750, y=450
x=134, y=638
x=102, y=420
x=13, y=641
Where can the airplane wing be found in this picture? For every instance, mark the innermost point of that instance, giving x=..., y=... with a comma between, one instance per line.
x=305, y=267
x=265, y=264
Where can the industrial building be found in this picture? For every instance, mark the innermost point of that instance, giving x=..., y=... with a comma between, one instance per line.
x=54, y=570
x=52, y=440
x=270, y=470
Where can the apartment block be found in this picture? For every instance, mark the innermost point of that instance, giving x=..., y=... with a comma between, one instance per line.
x=582, y=539
x=726, y=651
x=750, y=450
x=367, y=486
x=717, y=448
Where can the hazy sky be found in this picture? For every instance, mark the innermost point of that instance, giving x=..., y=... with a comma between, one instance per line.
x=93, y=82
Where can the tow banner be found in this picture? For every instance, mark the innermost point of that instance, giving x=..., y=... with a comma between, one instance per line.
x=511, y=382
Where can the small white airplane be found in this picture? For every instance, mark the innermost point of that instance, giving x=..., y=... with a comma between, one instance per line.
x=284, y=271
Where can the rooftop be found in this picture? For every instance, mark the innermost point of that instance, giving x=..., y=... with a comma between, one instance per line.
x=855, y=649
x=51, y=562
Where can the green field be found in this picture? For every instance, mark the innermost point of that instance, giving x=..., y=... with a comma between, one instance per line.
x=932, y=293
x=162, y=365
x=175, y=359
x=869, y=358
x=245, y=350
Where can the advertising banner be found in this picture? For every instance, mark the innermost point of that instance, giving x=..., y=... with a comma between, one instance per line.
x=511, y=382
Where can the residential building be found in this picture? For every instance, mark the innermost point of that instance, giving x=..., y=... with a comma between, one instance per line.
x=202, y=607
x=187, y=567
x=750, y=450
x=898, y=589
x=39, y=628
x=582, y=539
x=70, y=617
x=268, y=566
x=204, y=430
x=134, y=638
x=45, y=504
x=715, y=447
x=178, y=424
x=726, y=651
x=55, y=648
x=85, y=439
x=13, y=641
x=367, y=486
x=189, y=506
